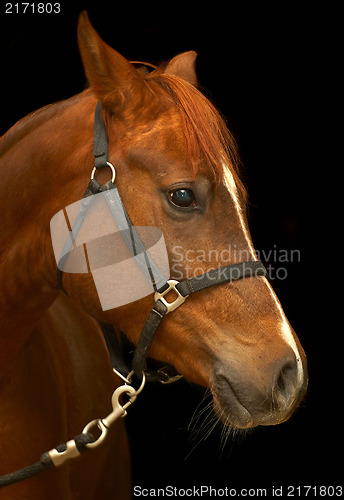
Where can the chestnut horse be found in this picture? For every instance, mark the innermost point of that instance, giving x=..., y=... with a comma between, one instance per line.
x=176, y=170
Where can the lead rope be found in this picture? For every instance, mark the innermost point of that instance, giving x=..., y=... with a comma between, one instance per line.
x=82, y=442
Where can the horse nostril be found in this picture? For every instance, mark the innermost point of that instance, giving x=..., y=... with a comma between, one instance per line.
x=284, y=389
x=280, y=383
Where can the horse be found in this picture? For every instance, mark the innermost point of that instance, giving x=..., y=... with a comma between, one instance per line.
x=177, y=170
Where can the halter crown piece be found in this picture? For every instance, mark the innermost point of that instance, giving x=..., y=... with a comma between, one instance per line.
x=160, y=283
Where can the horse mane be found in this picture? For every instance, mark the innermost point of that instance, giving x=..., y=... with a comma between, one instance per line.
x=204, y=129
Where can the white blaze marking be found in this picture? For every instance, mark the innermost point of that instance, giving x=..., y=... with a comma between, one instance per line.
x=229, y=182
x=285, y=329
x=287, y=334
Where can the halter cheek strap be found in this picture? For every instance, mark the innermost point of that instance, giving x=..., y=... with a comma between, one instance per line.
x=160, y=284
x=100, y=143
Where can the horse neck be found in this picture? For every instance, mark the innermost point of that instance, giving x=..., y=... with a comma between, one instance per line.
x=39, y=172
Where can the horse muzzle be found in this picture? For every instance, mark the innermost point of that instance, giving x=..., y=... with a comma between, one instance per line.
x=243, y=399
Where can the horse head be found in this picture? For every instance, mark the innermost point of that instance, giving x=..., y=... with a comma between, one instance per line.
x=176, y=170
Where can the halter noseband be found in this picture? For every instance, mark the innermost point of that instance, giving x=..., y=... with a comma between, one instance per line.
x=161, y=285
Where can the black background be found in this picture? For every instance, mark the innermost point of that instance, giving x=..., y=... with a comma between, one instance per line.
x=261, y=66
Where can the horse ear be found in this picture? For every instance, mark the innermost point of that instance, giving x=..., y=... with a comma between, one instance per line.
x=111, y=76
x=184, y=66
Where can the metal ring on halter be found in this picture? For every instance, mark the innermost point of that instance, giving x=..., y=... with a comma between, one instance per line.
x=142, y=383
x=112, y=170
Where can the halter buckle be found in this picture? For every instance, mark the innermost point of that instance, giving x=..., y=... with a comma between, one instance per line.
x=179, y=300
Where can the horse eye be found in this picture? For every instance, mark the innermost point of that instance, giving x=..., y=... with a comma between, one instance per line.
x=182, y=198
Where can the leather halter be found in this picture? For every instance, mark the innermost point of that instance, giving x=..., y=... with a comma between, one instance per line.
x=161, y=285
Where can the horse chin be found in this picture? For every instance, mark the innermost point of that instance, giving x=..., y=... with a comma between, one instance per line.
x=231, y=412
